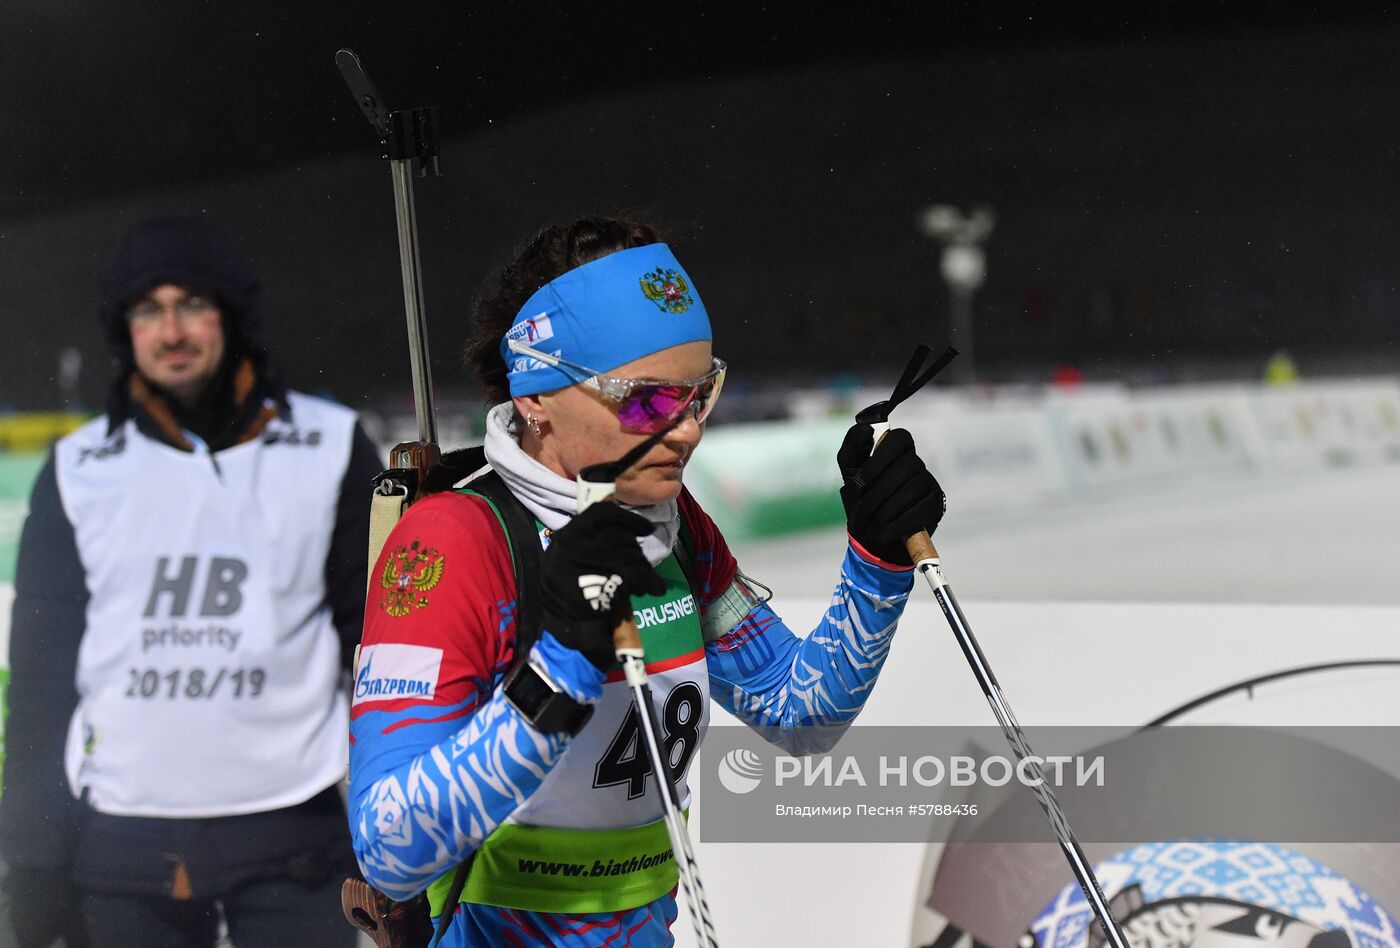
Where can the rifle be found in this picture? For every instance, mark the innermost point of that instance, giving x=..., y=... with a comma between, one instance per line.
x=408, y=140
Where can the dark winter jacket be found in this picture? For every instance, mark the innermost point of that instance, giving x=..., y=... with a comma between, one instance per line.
x=42, y=826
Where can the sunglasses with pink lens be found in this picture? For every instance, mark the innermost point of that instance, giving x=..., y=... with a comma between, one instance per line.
x=645, y=406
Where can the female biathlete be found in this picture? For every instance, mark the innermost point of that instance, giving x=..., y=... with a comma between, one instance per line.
x=524, y=762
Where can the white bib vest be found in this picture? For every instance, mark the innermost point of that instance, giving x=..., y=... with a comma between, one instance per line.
x=603, y=780
x=208, y=675
x=599, y=808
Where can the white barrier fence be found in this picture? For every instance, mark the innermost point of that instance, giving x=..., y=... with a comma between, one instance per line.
x=1010, y=449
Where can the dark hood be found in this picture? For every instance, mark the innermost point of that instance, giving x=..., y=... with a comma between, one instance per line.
x=194, y=253
x=187, y=251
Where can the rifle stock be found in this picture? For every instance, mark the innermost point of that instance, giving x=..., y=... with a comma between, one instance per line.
x=388, y=924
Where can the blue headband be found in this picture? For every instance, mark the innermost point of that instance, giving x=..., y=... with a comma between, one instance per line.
x=604, y=314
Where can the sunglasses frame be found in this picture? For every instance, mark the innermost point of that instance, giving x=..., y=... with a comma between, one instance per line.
x=618, y=390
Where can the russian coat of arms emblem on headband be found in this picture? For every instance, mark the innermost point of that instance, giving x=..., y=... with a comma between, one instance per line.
x=409, y=572
x=668, y=290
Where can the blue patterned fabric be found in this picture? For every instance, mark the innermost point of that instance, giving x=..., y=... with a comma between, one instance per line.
x=1173, y=893
x=800, y=693
x=431, y=779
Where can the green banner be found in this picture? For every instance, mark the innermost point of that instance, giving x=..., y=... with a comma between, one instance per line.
x=17, y=473
x=771, y=478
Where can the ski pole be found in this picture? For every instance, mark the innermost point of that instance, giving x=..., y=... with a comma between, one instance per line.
x=926, y=560
x=599, y=483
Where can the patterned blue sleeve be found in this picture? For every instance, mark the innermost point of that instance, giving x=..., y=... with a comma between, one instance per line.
x=425, y=796
x=801, y=693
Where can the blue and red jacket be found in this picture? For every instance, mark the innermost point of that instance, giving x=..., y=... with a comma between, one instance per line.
x=439, y=759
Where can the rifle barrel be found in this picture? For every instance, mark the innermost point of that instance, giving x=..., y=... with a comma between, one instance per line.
x=413, y=300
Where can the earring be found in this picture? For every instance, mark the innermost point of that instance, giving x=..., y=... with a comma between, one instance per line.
x=534, y=424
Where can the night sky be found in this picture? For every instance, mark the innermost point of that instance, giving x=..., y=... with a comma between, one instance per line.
x=1179, y=186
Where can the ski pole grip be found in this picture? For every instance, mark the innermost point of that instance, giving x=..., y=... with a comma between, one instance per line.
x=920, y=547
x=626, y=635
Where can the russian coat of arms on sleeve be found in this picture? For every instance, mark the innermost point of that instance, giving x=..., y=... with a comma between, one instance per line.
x=410, y=572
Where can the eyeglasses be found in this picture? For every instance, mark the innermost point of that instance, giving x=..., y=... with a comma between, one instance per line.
x=187, y=309
x=645, y=406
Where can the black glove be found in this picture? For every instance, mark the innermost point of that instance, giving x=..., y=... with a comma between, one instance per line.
x=889, y=495
x=592, y=567
x=38, y=906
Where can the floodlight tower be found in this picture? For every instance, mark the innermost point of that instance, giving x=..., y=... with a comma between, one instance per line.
x=964, y=268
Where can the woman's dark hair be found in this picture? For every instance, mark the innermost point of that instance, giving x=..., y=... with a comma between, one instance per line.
x=554, y=250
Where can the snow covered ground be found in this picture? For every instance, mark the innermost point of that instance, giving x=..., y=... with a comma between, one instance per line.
x=1110, y=587
x=1330, y=536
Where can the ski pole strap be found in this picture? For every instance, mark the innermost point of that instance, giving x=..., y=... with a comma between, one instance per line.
x=910, y=382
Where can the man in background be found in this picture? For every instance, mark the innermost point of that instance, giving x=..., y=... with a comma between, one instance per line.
x=190, y=586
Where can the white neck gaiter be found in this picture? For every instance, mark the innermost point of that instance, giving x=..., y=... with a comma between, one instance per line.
x=553, y=498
